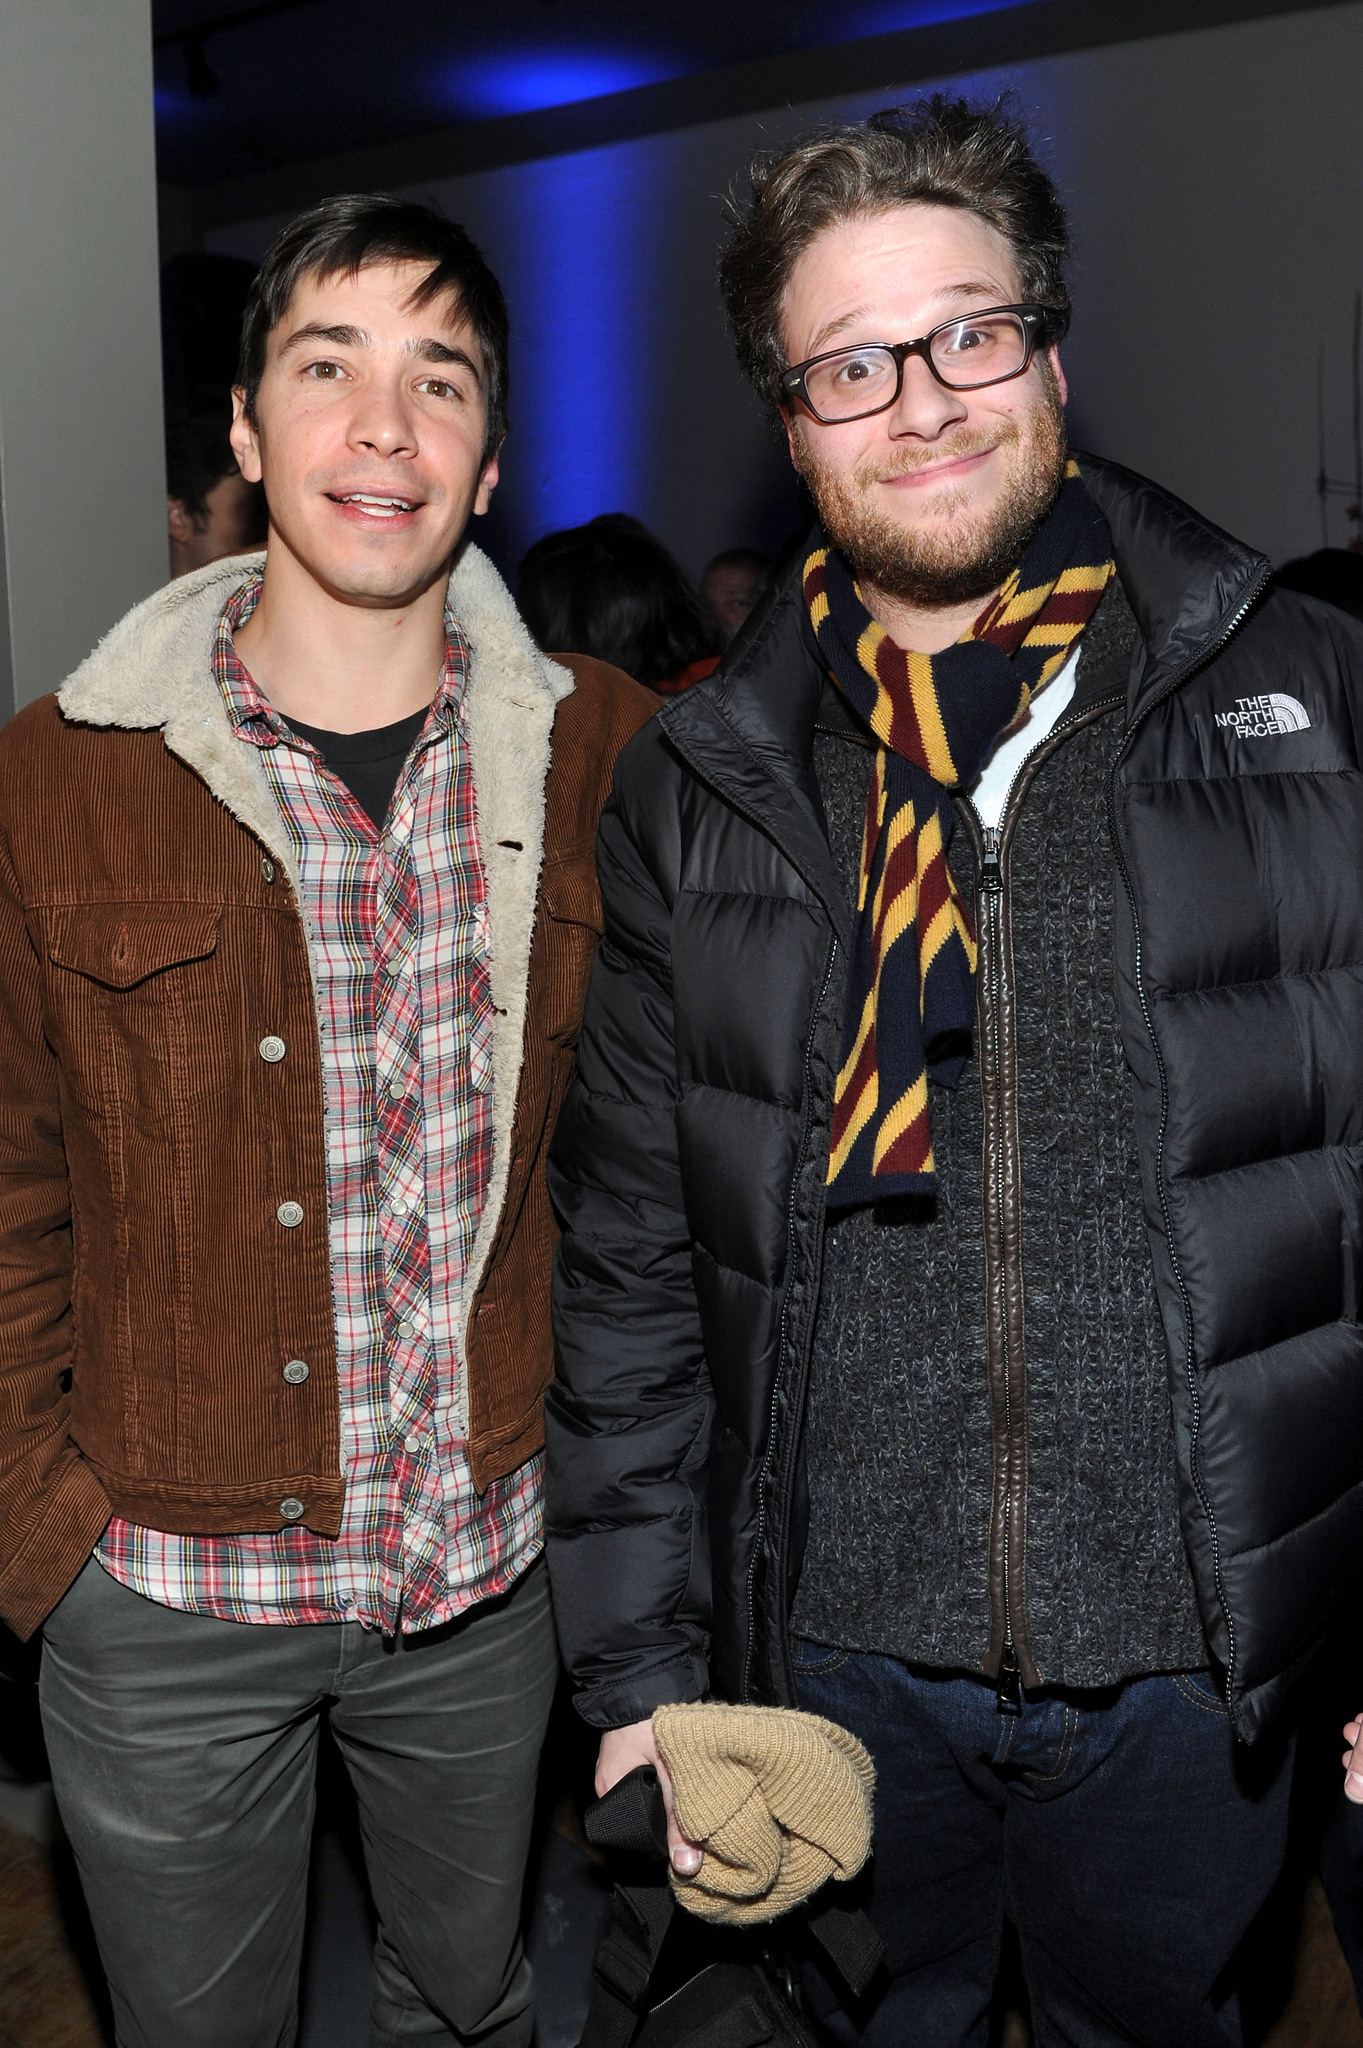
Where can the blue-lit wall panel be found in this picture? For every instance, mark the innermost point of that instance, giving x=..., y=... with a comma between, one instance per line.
x=579, y=262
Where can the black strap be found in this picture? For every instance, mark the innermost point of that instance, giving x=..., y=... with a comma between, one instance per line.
x=624, y=1963
x=850, y=1942
x=632, y=1817
x=631, y=1820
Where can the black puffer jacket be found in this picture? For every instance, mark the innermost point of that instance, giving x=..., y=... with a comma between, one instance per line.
x=690, y=1158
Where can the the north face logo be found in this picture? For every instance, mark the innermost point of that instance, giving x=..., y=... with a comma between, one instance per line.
x=1263, y=718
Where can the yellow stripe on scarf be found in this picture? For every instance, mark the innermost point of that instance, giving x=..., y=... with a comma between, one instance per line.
x=922, y=694
x=865, y=1106
x=897, y=1119
x=904, y=907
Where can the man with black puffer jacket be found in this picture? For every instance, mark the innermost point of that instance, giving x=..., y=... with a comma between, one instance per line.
x=958, y=1309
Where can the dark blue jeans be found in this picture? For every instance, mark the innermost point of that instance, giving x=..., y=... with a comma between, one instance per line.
x=1125, y=1834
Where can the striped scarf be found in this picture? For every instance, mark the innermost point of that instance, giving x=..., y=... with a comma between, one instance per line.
x=911, y=995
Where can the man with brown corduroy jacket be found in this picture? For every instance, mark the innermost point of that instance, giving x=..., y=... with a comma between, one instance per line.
x=297, y=907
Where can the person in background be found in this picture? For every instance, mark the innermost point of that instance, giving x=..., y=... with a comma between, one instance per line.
x=211, y=509
x=956, y=1312
x=732, y=584
x=297, y=908
x=1333, y=574
x=611, y=589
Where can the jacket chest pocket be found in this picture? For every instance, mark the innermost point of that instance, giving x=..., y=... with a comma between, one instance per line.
x=138, y=1000
x=568, y=936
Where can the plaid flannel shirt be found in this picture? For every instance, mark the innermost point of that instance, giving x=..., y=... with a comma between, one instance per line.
x=398, y=922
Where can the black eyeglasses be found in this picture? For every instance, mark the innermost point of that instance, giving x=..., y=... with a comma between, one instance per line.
x=964, y=355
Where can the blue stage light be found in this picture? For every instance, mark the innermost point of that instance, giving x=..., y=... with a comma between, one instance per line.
x=883, y=17
x=524, y=81
x=172, y=103
x=572, y=245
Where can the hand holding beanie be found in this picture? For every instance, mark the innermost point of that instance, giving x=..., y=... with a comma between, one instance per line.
x=779, y=1801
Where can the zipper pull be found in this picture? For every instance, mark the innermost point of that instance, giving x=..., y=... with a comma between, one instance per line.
x=991, y=873
x=1009, y=1691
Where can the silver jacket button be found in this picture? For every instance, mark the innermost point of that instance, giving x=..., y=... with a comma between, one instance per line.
x=267, y=868
x=272, y=1049
x=292, y=1508
x=290, y=1214
x=296, y=1371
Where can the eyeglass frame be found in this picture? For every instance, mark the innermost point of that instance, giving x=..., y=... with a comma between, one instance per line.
x=1033, y=319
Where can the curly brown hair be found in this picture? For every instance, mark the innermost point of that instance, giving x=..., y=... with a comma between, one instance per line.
x=942, y=150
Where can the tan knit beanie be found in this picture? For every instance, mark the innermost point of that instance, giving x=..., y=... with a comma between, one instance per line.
x=777, y=1800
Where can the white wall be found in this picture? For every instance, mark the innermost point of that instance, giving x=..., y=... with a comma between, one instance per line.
x=82, y=468
x=1215, y=181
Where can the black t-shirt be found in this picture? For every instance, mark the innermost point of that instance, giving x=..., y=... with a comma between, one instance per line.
x=368, y=763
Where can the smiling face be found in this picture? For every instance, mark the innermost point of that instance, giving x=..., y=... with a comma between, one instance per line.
x=368, y=434
x=933, y=500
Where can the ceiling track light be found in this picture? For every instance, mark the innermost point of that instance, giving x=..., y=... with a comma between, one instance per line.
x=200, y=77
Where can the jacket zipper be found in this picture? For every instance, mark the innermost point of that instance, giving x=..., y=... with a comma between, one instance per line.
x=1009, y=1677
x=1176, y=682
x=1009, y=1681
x=782, y=1349
x=1001, y=1168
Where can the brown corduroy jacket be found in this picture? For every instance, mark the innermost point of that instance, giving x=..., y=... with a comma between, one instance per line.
x=150, y=940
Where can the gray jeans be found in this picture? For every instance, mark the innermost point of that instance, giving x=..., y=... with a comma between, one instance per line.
x=183, y=1756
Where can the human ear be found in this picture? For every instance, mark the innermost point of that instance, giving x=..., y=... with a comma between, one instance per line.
x=244, y=438
x=179, y=524
x=487, y=484
x=1053, y=358
x=792, y=437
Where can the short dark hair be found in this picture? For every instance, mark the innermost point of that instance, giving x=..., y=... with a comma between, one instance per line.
x=739, y=558
x=198, y=456
x=611, y=589
x=942, y=150
x=339, y=238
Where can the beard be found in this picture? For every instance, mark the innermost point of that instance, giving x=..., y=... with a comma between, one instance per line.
x=957, y=554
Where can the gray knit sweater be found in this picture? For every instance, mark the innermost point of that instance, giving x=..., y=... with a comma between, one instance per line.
x=897, y=1440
